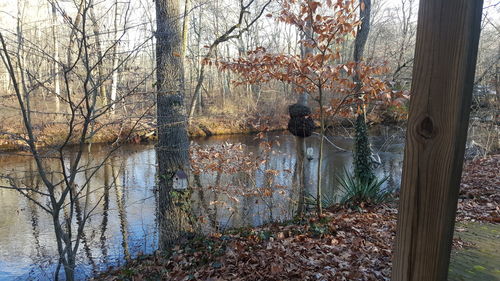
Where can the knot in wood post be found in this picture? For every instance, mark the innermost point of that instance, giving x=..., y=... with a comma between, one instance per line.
x=426, y=128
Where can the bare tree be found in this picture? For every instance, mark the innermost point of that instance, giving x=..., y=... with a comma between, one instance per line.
x=65, y=199
x=55, y=39
x=233, y=32
x=100, y=66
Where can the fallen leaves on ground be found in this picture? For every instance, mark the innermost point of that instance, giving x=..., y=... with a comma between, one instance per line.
x=340, y=246
x=343, y=245
x=480, y=191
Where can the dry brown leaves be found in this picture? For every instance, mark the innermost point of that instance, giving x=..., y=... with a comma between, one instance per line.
x=350, y=246
x=344, y=245
x=480, y=190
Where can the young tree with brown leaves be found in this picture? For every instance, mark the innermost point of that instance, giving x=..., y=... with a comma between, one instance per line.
x=330, y=79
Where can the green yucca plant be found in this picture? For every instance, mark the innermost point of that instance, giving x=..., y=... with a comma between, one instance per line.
x=359, y=193
x=326, y=201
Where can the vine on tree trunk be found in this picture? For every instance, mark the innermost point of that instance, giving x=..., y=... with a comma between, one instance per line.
x=363, y=169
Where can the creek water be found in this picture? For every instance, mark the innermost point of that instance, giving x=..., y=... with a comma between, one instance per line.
x=123, y=223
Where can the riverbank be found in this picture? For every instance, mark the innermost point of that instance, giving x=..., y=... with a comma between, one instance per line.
x=485, y=136
x=205, y=126
x=343, y=245
x=143, y=130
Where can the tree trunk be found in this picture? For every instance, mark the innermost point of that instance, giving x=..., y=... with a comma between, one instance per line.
x=69, y=52
x=173, y=143
x=20, y=53
x=185, y=27
x=497, y=89
x=114, y=77
x=363, y=31
x=319, y=190
x=100, y=66
x=301, y=146
x=362, y=165
x=200, y=71
x=57, y=82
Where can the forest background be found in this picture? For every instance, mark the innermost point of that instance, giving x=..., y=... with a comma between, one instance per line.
x=121, y=43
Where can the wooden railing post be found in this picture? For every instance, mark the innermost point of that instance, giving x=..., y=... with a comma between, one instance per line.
x=443, y=75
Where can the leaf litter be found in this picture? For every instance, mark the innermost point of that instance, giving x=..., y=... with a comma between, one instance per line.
x=342, y=245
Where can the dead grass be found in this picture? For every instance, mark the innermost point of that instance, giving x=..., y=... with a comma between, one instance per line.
x=236, y=124
x=54, y=134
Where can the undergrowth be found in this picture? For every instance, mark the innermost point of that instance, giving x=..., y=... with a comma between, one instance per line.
x=358, y=193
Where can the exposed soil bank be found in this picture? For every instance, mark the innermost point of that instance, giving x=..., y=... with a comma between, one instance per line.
x=144, y=131
x=209, y=126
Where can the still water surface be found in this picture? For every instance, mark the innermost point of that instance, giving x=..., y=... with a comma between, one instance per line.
x=124, y=221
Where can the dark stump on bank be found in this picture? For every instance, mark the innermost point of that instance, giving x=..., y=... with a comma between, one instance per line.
x=301, y=123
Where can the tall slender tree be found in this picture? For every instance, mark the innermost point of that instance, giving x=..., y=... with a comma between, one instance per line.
x=57, y=82
x=98, y=45
x=115, y=60
x=362, y=162
x=173, y=142
x=301, y=146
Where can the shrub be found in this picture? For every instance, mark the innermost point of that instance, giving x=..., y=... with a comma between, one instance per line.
x=359, y=193
x=326, y=201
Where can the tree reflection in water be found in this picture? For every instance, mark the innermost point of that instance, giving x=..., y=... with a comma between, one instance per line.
x=124, y=222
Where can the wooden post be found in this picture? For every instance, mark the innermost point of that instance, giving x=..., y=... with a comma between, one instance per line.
x=443, y=75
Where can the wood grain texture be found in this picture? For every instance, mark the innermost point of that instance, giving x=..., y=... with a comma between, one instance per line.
x=443, y=74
